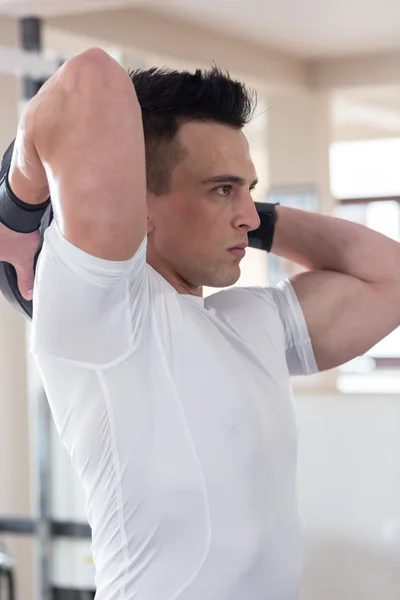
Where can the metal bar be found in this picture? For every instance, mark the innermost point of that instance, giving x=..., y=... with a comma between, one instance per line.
x=71, y=530
x=31, y=34
x=31, y=41
x=18, y=526
x=7, y=573
x=67, y=529
x=43, y=498
x=9, y=576
x=30, y=29
x=72, y=594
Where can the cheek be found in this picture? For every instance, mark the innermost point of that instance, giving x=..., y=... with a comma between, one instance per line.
x=194, y=221
x=181, y=231
x=189, y=224
x=167, y=220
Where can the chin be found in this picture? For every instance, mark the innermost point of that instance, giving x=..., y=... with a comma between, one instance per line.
x=220, y=280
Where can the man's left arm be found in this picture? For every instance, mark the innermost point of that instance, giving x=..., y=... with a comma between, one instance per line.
x=350, y=294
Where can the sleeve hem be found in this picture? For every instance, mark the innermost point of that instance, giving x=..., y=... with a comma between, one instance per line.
x=300, y=338
x=82, y=262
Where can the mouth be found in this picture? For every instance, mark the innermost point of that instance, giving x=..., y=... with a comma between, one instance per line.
x=238, y=251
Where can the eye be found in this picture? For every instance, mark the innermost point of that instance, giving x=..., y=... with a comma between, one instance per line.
x=224, y=190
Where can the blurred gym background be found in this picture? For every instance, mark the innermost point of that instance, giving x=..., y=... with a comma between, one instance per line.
x=327, y=139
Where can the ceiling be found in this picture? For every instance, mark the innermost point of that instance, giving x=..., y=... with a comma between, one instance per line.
x=304, y=28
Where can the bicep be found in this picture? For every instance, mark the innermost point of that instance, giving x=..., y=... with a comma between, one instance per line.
x=89, y=136
x=345, y=316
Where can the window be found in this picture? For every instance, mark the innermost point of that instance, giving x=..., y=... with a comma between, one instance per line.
x=366, y=180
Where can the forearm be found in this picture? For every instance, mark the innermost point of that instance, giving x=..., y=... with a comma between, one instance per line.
x=319, y=242
x=27, y=176
x=41, y=124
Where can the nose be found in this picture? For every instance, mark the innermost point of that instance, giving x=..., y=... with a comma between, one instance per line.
x=247, y=217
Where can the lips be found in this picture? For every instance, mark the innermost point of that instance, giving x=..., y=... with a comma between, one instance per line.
x=238, y=251
x=239, y=246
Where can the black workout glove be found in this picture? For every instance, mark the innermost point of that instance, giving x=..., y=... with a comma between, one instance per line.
x=263, y=237
x=22, y=218
x=14, y=213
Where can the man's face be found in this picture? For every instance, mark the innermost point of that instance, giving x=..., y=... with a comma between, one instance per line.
x=207, y=211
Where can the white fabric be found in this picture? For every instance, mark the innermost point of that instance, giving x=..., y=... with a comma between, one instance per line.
x=178, y=415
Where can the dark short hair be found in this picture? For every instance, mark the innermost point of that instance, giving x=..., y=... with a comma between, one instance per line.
x=169, y=98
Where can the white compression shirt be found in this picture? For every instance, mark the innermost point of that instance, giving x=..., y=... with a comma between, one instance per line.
x=179, y=418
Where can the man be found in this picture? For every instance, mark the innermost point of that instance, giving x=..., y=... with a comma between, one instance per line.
x=177, y=410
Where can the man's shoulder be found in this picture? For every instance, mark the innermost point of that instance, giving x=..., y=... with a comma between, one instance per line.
x=242, y=298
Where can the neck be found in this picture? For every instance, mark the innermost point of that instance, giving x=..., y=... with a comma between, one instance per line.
x=177, y=281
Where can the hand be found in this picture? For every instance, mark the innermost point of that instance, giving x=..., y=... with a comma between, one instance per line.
x=19, y=249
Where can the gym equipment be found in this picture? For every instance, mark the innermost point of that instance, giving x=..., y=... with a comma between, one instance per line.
x=7, y=583
x=30, y=221
x=14, y=213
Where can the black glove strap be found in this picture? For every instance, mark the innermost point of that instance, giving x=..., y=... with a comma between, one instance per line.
x=23, y=218
x=14, y=213
x=263, y=237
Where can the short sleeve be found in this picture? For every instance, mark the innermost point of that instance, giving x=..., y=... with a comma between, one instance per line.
x=271, y=320
x=299, y=351
x=86, y=309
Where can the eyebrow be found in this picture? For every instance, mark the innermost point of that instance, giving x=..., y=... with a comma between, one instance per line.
x=226, y=178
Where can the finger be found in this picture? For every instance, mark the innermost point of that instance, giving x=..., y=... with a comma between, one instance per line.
x=25, y=279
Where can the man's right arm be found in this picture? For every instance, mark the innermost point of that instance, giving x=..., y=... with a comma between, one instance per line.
x=82, y=138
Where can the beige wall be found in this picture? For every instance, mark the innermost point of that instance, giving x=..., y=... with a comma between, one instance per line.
x=15, y=456
x=299, y=137
x=349, y=71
